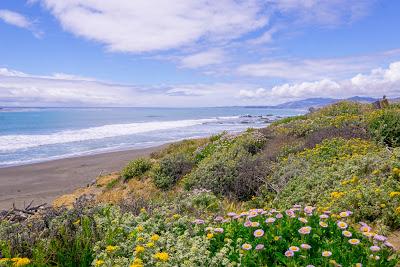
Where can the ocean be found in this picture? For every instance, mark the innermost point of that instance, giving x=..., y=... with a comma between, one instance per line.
x=29, y=135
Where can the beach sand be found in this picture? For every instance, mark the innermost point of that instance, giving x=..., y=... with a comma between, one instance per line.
x=43, y=182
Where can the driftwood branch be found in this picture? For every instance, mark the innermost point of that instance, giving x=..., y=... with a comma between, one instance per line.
x=16, y=215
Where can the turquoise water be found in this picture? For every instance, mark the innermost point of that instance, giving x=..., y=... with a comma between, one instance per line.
x=30, y=135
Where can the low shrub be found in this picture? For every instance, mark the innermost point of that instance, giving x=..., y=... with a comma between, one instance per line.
x=232, y=172
x=384, y=125
x=170, y=169
x=136, y=168
x=325, y=176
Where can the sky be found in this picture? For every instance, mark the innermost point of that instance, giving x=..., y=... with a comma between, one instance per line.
x=186, y=53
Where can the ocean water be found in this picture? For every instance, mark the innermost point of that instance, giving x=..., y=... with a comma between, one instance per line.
x=29, y=135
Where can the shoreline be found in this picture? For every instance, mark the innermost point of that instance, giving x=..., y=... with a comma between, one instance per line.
x=44, y=181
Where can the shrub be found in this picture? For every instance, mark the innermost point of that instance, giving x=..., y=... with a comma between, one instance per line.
x=136, y=168
x=170, y=169
x=337, y=174
x=385, y=126
x=232, y=172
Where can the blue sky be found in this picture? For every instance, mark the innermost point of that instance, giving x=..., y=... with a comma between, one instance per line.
x=196, y=52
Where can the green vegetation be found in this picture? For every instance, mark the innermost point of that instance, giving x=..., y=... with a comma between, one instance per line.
x=136, y=168
x=321, y=189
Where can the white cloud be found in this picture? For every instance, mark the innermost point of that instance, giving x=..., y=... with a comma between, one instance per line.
x=154, y=25
x=377, y=83
x=150, y=25
x=19, y=20
x=202, y=59
x=296, y=69
x=21, y=89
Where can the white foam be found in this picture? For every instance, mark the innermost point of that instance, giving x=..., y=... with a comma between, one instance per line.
x=10, y=143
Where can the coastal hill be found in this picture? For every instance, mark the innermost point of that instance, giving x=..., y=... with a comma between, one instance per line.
x=318, y=102
x=320, y=189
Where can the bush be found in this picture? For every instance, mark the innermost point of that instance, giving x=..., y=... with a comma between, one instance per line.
x=170, y=169
x=232, y=172
x=136, y=168
x=339, y=174
x=384, y=125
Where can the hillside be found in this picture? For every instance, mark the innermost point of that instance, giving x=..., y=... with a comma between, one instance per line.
x=319, y=102
x=321, y=189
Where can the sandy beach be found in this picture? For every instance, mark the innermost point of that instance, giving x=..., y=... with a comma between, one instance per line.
x=43, y=182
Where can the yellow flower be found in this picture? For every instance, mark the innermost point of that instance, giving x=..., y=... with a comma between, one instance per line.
x=176, y=216
x=22, y=262
x=139, y=249
x=139, y=228
x=396, y=171
x=155, y=237
x=276, y=238
x=143, y=210
x=140, y=239
x=210, y=235
x=337, y=194
x=394, y=194
x=99, y=262
x=77, y=222
x=111, y=249
x=398, y=210
x=137, y=263
x=150, y=245
x=383, y=205
x=162, y=256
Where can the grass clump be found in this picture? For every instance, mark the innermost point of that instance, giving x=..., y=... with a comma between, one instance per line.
x=384, y=125
x=136, y=168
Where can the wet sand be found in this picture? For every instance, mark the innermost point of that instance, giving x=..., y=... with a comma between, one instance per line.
x=43, y=182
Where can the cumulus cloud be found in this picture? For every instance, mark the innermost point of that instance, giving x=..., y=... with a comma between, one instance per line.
x=151, y=25
x=19, y=20
x=154, y=25
x=380, y=81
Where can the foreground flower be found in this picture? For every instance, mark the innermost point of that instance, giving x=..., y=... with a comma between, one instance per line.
x=255, y=224
x=305, y=230
x=270, y=220
x=246, y=246
x=99, y=263
x=380, y=238
x=259, y=247
x=258, y=233
x=279, y=216
x=305, y=246
x=323, y=224
x=155, y=237
x=162, y=256
x=139, y=249
x=289, y=253
x=375, y=248
x=111, y=249
x=323, y=216
x=347, y=234
x=198, y=221
x=137, y=263
x=342, y=225
x=326, y=253
x=303, y=220
x=354, y=241
x=219, y=230
x=294, y=248
x=22, y=262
